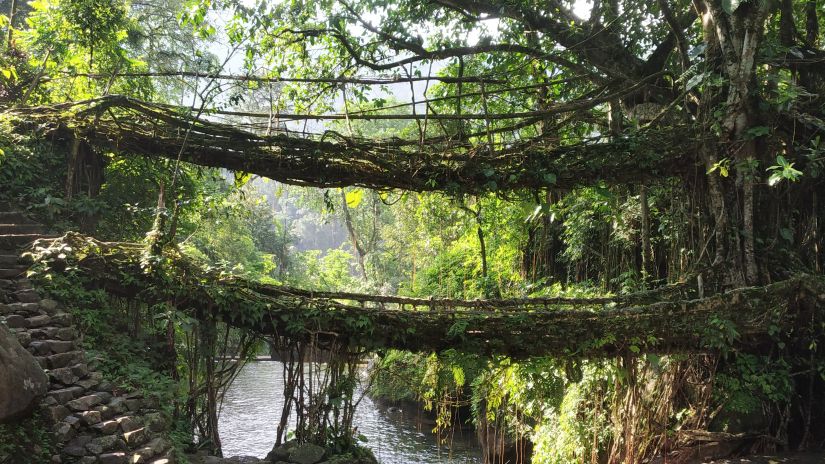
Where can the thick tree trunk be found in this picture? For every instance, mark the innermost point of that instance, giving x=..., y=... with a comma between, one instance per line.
x=732, y=40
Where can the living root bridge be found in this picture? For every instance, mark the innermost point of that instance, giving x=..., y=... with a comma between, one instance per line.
x=747, y=319
x=128, y=126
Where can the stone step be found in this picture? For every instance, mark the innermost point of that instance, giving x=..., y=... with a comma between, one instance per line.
x=22, y=229
x=136, y=437
x=12, y=272
x=154, y=448
x=67, y=376
x=113, y=458
x=15, y=217
x=11, y=259
x=17, y=241
x=26, y=296
x=16, y=321
x=106, y=444
x=129, y=423
x=20, y=309
x=70, y=358
x=64, y=395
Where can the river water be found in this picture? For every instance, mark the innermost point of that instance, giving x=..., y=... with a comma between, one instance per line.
x=252, y=407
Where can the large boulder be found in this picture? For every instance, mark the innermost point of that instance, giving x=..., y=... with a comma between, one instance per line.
x=22, y=379
x=280, y=453
x=307, y=453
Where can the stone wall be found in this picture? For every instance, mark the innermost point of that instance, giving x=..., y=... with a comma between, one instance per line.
x=93, y=421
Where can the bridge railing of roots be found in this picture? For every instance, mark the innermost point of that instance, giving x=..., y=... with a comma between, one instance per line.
x=339, y=328
x=303, y=324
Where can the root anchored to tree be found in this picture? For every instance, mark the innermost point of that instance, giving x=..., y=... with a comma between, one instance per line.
x=669, y=320
x=130, y=126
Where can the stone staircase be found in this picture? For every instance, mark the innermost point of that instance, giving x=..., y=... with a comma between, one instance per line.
x=93, y=421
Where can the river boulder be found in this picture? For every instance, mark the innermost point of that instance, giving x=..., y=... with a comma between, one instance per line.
x=307, y=453
x=22, y=379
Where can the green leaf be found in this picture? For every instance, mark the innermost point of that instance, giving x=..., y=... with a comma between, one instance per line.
x=241, y=179
x=787, y=234
x=757, y=131
x=354, y=198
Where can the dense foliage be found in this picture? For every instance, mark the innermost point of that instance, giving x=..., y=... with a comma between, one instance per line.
x=740, y=207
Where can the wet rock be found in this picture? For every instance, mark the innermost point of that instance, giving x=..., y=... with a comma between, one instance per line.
x=232, y=460
x=281, y=452
x=22, y=379
x=307, y=453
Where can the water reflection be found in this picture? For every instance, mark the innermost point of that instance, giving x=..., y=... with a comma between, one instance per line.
x=252, y=409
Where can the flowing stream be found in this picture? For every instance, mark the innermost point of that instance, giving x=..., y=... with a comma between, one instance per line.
x=253, y=404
